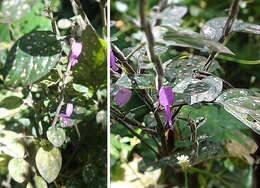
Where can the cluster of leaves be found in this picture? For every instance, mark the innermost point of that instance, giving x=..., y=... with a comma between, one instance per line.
x=222, y=115
x=33, y=64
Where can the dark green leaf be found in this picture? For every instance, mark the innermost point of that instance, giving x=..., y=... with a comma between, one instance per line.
x=31, y=58
x=140, y=81
x=11, y=102
x=91, y=68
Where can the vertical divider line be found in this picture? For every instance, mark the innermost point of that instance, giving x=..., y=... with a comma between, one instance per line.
x=108, y=93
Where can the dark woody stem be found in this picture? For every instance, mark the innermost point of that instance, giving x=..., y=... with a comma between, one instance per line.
x=132, y=122
x=144, y=96
x=126, y=125
x=146, y=28
x=233, y=12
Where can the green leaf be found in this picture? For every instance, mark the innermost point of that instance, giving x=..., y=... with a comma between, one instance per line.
x=10, y=144
x=37, y=22
x=56, y=136
x=195, y=90
x=213, y=28
x=39, y=183
x=11, y=102
x=18, y=169
x=91, y=66
x=180, y=69
x=244, y=105
x=31, y=58
x=80, y=88
x=140, y=81
x=15, y=9
x=187, y=38
x=49, y=163
x=171, y=16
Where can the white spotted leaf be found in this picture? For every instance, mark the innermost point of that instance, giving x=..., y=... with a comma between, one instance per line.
x=49, y=163
x=244, y=105
x=18, y=169
x=56, y=136
x=195, y=90
x=31, y=58
x=213, y=28
x=16, y=9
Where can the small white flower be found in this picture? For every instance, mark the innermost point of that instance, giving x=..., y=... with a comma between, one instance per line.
x=183, y=160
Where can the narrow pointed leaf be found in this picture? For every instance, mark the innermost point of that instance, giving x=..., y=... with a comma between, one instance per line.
x=187, y=38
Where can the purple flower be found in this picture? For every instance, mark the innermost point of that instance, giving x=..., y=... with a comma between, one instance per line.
x=69, y=110
x=122, y=96
x=113, y=61
x=166, y=99
x=75, y=50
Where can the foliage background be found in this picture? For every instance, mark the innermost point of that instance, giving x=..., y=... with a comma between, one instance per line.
x=84, y=161
x=231, y=143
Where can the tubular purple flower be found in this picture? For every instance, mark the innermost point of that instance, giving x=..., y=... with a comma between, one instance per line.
x=75, y=50
x=122, y=96
x=166, y=98
x=69, y=110
x=113, y=61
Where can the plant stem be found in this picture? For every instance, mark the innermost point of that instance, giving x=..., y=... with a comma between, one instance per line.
x=53, y=21
x=135, y=50
x=146, y=27
x=186, y=178
x=132, y=122
x=233, y=12
x=126, y=125
x=61, y=98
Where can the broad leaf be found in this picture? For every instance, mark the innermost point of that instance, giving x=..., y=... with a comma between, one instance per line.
x=15, y=9
x=195, y=90
x=39, y=183
x=180, y=69
x=18, y=169
x=138, y=81
x=56, y=136
x=171, y=16
x=31, y=58
x=244, y=105
x=91, y=68
x=49, y=163
x=186, y=38
x=213, y=28
x=10, y=144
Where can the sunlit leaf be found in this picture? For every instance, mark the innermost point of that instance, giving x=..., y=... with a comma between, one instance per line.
x=213, y=28
x=244, y=105
x=48, y=163
x=18, y=169
x=31, y=58
x=195, y=90
x=186, y=38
